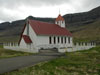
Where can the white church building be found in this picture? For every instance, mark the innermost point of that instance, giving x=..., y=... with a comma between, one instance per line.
x=37, y=35
x=41, y=35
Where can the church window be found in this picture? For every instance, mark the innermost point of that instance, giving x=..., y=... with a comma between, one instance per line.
x=62, y=40
x=50, y=41
x=65, y=39
x=54, y=40
x=68, y=39
x=58, y=39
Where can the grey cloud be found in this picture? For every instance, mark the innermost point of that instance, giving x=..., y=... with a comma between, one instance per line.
x=4, y=16
x=15, y=4
x=85, y=5
x=88, y=4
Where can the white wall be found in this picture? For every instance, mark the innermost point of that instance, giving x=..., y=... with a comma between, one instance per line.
x=30, y=47
x=42, y=40
x=23, y=44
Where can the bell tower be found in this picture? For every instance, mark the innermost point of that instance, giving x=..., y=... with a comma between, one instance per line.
x=60, y=21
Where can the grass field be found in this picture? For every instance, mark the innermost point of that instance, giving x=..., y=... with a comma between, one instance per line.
x=75, y=63
x=5, y=53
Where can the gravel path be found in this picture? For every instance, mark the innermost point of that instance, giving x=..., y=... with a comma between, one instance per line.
x=14, y=63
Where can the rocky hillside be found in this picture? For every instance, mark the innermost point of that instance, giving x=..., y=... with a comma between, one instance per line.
x=80, y=24
x=83, y=18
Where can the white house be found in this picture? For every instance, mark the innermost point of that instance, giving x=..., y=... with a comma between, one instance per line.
x=38, y=35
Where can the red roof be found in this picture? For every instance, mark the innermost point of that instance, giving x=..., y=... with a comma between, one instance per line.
x=43, y=28
x=59, y=18
x=27, y=39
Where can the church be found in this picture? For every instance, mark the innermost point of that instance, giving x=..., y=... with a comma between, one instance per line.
x=37, y=35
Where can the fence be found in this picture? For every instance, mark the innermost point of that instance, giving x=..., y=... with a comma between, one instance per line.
x=75, y=47
x=81, y=46
x=12, y=46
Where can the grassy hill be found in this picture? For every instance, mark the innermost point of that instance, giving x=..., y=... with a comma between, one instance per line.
x=89, y=32
x=75, y=63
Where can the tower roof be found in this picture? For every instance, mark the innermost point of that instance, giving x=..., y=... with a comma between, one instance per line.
x=59, y=18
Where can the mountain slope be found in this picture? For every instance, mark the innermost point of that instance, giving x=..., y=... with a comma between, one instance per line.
x=83, y=18
x=90, y=32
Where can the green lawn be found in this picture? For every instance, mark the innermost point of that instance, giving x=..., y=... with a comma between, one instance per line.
x=75, y=63
x=6, y=53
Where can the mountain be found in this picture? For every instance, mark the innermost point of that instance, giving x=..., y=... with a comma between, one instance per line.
x=83, y=18
x=80, y=24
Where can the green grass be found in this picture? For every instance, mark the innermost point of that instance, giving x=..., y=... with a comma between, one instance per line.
x=75, y=63
x=6, y=53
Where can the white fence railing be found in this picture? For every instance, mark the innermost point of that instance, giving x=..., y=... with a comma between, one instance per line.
x=75, y=47
x=81, y=46
x=12, y=46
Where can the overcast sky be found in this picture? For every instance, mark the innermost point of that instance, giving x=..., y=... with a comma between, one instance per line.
x=11, y=10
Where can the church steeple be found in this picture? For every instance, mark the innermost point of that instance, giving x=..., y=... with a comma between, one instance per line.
x=60, y=21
